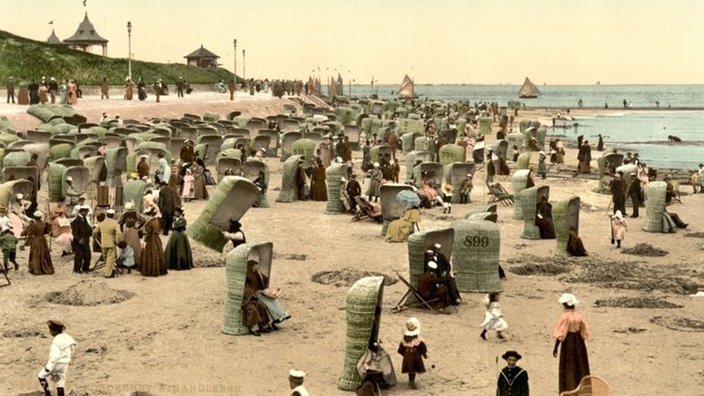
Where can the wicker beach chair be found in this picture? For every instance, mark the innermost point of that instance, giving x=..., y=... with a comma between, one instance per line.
x=433, y=171
x=654, y=206
x=333, y=174
x=21, y=173
x=227, y=166
x=390, y=208
x=565, y=216
x=475, y=256
x=529, y=199
x=591, y=385
x=287, y=140
x=451, y=153
x=273, y=147
x=232, y=198
x=520, y=182
x=288, y=180
x=455, y=174
x=364, y=302
x=236, y=268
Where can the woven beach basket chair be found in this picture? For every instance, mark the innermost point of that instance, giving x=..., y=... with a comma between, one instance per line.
x=524, y=160
x=262, y=142
x=407, y=142
x=655, y=192
x=116, y=160
x=390, y=208
x=287, y=140
x=515, y=139
x=418, y=243
x=424, y=143
x=455, y=174
x=288, y=180
x=134, y=190
x=475, y=256
x=590, y=385
x=9, y=189
x=451, y=153
x=519, y=180
x=21, y=173
x=224, y=163
x=381, y=151
x=364, y=302
x=607, y=160
x=38, y=136
x=16, y=158
x=333, y=174
x=352, y=132
x=565, y=218
x=236, y=270
x=485, y=125
x=213, y=143
x=412, y=157
x=232, y=198
x=98, y=173
x=528, y=199
x=273, y=147
x=250, y=171
x=305, y=148
x=433, y=171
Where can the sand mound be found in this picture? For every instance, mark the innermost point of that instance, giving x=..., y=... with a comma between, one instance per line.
x=635, y=302
x=678, y=323
x=539, y=269
x=694, y=234
x=644, y=249
x=347, y=277
x=290, y=256
x=22, y=333
x=89, y=293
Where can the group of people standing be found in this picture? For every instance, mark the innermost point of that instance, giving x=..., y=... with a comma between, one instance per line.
x=45, y=91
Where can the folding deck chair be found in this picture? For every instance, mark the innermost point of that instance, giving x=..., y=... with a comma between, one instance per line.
x=4, y=272
x=499, y=194
x=366, y=209
x=403, y=303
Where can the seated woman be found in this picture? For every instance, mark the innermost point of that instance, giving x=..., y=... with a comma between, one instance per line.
x=254, y=313
x=400, y=229
x=258, y=282
x=432, y=194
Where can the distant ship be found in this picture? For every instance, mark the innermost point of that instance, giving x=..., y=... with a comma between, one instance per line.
x=407, y=88
x=598, y=82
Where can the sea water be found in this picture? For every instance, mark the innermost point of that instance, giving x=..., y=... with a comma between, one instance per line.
x=654, y=112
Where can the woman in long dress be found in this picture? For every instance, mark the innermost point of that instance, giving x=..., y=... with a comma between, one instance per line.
x=129, y=85
x=320, y=190
x=570, y=331
x=39, y=256
x=199, y=190
x=61, y=227
x=72, y=92
x=152, y=260
x=178, y=254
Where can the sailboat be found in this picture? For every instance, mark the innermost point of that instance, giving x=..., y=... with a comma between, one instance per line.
x=407, y=89
x=528, y=90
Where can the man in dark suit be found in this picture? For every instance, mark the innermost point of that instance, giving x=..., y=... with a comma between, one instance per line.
x=82, y=232
x=168, y=202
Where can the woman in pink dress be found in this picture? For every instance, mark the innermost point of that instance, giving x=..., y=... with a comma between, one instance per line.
x=188, y=192
x=571, y=331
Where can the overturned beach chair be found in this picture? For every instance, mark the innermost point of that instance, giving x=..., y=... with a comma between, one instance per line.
x=499, y=194
x=366, y=209
x=590, y=385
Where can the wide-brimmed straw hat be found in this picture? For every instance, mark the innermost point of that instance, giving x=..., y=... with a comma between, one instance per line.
x=411, y=327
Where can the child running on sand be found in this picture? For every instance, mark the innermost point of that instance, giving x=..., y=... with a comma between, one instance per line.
x=493, y=319
x=618, y=228
x=413, y=350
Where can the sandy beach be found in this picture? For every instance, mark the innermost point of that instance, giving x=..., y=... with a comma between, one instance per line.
x=163, y=335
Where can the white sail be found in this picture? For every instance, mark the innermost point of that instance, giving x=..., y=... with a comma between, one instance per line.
x=528, y=90
x=407, y=90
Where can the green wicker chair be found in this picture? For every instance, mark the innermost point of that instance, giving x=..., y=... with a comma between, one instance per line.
x=381, y=151
x=524, y=161
x=236, y=269
x=654, y=206
x=433, y=171
x=364, y=302
x=225, y=163
x=455, y=174
x=250, y=171
x=520, y=182
x=390, y=209
x=232, y=198
x=288, y=180
x=305, y=148
x=273, y=147
x=418, y=243
x=333, y=174
x=412, y=157
x=529, y=199
x=408, y=142
x=287, y=140
x=9, y=189
x=451, y=153
x=611, y=160
x=475, y=256
x=485, y=125
x=565, y=217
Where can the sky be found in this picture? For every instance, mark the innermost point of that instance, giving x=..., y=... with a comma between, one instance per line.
x=554, y=42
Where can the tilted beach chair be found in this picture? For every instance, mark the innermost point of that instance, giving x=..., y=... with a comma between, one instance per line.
x=590, y=385
x=499, y=194
x=403, y=303
x=366, y=209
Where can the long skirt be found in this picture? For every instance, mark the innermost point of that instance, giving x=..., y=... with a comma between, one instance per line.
x=131, y=236
x=584, y=166
x=574, y=362
x=275, y=310
x=64, y=241
x=178, y=254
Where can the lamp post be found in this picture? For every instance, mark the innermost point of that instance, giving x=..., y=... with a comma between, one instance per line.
x=234, y=73
x=243, y=65
x=129, y=50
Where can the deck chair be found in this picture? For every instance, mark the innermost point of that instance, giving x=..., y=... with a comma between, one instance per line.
x=403, y=303
x=366, y=209
x=499, y=194
x=590, y=385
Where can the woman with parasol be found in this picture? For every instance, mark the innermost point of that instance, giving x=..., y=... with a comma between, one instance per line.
x=400, y=229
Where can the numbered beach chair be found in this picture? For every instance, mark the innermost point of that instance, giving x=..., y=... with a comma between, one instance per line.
x=475, y=256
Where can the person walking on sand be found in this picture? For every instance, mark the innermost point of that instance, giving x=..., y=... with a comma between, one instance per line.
x=109, y=231
x=62, y=347
x=618, y=228
x=413, y=350
x=570, y=331
x=513, y=380
x=493, y=319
